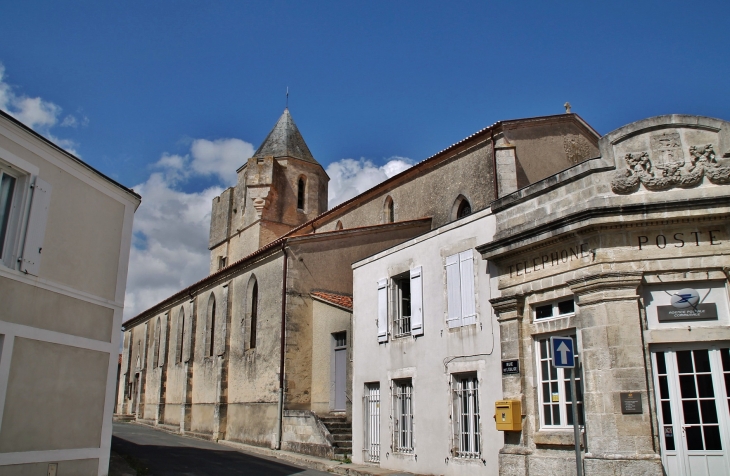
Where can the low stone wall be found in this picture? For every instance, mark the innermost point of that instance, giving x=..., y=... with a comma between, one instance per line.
x=303, y=432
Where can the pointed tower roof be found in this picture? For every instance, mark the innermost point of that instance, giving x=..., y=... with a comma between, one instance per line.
x=285, y=140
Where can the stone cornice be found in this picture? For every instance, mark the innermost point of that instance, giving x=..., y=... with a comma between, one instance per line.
x=501, y=246
x=605, y=287
x=508, y=307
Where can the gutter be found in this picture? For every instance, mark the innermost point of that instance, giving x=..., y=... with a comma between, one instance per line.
x=280, y=412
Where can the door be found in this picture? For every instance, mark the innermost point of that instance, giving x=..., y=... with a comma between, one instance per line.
x=694, y=410
x=340, y=373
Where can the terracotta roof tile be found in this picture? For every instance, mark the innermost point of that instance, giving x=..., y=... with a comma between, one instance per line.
x=341, y=300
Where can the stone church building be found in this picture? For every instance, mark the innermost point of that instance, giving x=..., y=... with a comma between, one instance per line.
x=260, y=351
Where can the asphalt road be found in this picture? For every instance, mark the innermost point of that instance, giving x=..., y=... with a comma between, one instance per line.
x=166, y=454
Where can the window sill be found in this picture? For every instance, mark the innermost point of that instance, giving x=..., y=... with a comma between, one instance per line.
x=556, y=437
x=553, y=318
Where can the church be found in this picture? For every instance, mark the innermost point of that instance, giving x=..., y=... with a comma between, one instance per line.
x=261, y=350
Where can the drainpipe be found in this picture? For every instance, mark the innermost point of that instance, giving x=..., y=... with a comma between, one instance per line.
x=280, y=413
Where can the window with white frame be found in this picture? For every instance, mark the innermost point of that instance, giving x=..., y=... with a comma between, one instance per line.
x=559, y=308
x=24, y=201
x=402, y=311
x=460, y=287
x=371, y=426
x=403, y=416
x=466, y=416
x=554, y=396
x=403, y=302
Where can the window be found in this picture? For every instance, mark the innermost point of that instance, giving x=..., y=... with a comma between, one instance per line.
x=466, y=417
x=403, y=416
x=402, y=314
x=254, y=314
x=340, y=339
x=156, y=345
x=300, y=194
x=338, y=226
x=561, y=308
x=180, y=334
x=20, y=187
x=389, y=210
x=405, y=305
x=7, y=192
x=554, y=389
x=464, y=209
x=221, y=262
x=371, y=413
x=210, y=328
x=461, y=298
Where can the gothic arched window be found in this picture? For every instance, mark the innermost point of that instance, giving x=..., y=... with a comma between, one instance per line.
x=338, y=226
x=254, y=314
x=464, y=209
x=210, y=328
x=389, y=210
x=300, y=194
x=180, y=334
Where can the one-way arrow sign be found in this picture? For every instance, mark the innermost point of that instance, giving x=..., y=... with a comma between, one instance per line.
x=563, y=352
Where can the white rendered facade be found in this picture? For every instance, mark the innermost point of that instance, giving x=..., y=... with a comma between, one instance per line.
x=423, y=402
x=67, y=235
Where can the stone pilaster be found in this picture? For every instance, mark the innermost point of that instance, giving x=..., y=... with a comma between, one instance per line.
x=612, y=353
x=513, y=457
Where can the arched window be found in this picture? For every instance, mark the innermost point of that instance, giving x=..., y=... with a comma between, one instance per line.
x=156, y=349
x=460, y=208
x=338, y=226
x=300, y=194
x=180, y=334
x=389, y=210
x=464, y=209
x=254, y=314
x=210, y=328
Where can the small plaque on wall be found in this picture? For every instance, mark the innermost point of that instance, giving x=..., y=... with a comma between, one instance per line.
x=631, y=403
x=510, y=367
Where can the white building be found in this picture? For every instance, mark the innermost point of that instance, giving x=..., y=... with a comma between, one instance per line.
x=65, y=235
x=426, y=368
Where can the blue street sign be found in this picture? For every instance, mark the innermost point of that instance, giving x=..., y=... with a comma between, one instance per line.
x=563, y=352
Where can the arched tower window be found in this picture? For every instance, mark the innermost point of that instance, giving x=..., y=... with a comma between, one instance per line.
x=389, y=210
x=338, y=226
x=180, y=335
x=210, y=328
x=300, y=193
x=254, y=314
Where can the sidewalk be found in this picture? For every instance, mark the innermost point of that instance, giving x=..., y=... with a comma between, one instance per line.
x=306, y=461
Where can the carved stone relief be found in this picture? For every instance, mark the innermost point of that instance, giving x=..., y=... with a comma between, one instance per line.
x=667, y=167
x=577, y=148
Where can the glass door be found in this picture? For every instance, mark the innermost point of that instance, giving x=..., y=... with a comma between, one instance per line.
x=693, y=410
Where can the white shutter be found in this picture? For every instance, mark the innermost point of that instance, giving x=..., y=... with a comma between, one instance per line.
x=416, y=302
x=383, y=310
x=468, y=300
x=35, y=232
x=453, y=291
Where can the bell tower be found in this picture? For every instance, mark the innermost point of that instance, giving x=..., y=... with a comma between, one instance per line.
x=281, y=187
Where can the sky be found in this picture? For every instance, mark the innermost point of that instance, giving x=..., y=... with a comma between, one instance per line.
x=171, y=97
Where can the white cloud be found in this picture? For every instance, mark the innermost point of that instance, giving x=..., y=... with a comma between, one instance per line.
x=171, y=227
x=35, y=113
x=350, y=177
x=220, y=157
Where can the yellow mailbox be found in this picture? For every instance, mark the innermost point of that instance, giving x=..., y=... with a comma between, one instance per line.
x=508, y=415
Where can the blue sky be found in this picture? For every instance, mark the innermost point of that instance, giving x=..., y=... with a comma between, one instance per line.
x=165, y=96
